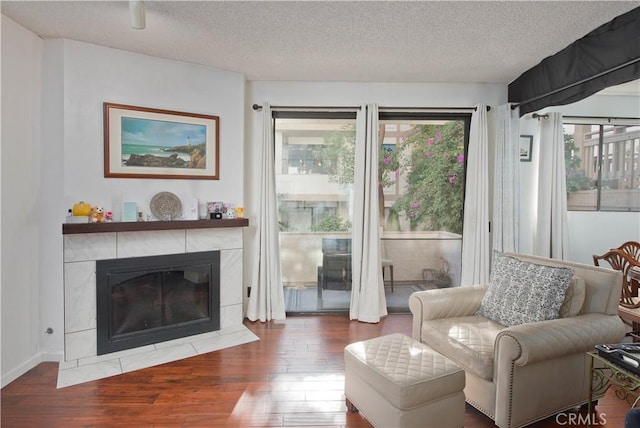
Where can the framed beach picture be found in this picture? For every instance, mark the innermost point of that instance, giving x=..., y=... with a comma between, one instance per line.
x=526, y=145
x=144, y=142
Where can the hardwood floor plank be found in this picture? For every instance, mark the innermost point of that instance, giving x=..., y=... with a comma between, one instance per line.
x=315, y=419
x=307, y=407
x=248, y=420
x=292, y=377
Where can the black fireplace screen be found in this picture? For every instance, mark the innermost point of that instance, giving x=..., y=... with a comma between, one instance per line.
x=146, y=300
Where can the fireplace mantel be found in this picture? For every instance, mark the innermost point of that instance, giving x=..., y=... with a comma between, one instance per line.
x=140, y=226
x=85, y=244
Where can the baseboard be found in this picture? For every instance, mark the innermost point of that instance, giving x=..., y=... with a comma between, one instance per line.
x=14, y=374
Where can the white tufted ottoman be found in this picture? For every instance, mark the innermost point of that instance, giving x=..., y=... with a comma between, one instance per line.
x=396, y=381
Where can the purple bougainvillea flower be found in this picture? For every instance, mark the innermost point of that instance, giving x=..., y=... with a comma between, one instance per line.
x=386, y=160
x=415, y=204
x=438, y=135
x=460, y=159
x=430, y=141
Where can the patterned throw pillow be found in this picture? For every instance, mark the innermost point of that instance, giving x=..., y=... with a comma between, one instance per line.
x=520, y=292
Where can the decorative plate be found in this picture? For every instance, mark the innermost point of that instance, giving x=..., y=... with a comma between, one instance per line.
x=166, y=206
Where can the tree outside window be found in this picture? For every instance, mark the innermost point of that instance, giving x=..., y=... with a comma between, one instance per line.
x=432, y=157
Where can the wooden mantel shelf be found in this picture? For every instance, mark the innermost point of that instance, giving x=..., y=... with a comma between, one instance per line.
x=141, y=226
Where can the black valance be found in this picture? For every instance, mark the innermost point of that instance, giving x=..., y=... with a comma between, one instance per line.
x=607, y=56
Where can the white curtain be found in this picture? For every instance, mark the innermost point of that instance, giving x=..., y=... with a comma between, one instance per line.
x=266, y=301
x=551, y=235
x=506, y=181
x=368, y=302
x=475, y=229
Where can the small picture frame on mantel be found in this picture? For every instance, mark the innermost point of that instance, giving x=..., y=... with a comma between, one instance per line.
x=526, y=146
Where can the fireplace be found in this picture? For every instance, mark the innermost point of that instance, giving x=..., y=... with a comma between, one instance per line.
x=146, y=300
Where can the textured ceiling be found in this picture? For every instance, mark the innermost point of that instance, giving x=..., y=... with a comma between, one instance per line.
x=400, y=41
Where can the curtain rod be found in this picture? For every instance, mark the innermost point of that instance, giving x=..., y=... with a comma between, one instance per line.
x=571, y=85
x=259, y=107
x=546, y=116
x=431, y=108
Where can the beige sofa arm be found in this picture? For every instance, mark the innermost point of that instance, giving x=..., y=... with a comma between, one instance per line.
x=530, y=343
x=444, y=303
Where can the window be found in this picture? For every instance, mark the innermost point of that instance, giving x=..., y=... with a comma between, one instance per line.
x=422, y=171
x=602, y=166
x=303, y=158
x=422, y=176
x=314, y=170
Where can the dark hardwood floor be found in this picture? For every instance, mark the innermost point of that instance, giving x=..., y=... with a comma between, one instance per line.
x=293, y=377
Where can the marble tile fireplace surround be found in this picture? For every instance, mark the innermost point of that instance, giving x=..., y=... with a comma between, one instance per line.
x=84, y=244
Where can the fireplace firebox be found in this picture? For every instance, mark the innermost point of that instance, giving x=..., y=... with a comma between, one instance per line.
x=146, y=300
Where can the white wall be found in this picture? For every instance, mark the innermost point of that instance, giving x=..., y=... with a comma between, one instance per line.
x=93, y=75
x=20, y=172
x=350, y=94
x=589, y=232
x=77, y=78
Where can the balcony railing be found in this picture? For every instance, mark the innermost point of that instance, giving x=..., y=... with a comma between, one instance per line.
x=410, y=252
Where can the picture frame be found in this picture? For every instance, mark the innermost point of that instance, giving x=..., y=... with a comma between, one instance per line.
x=526, y=146
x=141, y=142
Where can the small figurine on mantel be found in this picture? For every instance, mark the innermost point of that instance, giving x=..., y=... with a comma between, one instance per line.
x=97, y=215
x=229, y=211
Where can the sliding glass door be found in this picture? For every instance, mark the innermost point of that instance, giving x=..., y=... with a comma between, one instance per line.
x=422, y=176
x=421, y=189
x=314, y=182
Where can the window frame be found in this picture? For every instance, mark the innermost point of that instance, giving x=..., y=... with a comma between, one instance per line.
x=599, y=161
x=430, y=115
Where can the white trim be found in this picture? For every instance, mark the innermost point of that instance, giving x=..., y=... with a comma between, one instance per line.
x=42, y=357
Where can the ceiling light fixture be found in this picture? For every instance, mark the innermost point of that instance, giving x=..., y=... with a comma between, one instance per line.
x=136, y=12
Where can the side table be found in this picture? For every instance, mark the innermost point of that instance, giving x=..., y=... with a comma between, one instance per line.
x=606, y=374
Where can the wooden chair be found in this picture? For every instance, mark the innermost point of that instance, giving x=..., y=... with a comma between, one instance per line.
x=620, y=260
x=632, y=248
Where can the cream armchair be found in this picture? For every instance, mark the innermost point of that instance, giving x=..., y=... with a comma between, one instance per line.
x=520, y=374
